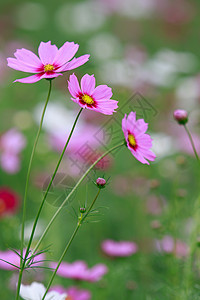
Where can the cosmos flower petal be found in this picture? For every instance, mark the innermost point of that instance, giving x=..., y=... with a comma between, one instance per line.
x=74, y=63
x=20, y=66
x=88, y=84
x=102, y=92
x=28, y=57
x=49, y=75
x=73, y=86
x=124, y=126
x=30, y=79
x=65, y=53
x=139, y=156
x=47, y=52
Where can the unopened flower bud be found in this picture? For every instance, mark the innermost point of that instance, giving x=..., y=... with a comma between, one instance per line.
x=181, y=116
x=82, y=210
x=101, y=182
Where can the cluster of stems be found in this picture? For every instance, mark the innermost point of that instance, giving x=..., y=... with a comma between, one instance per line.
x=25, y=260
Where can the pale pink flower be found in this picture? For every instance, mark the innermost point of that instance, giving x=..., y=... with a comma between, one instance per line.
x=91, y=97
x=14, y=260
x=79, y=271
x=138, y=142
x=51, y=63
x=171, y=246
x=73, y=293
x=12, y=143
x=121, y=248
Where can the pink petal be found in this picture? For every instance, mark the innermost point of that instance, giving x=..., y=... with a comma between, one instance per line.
x=140, y=127
x=88, y=84
x=74, y=63
x=102, y=92
x=138, y=156
x=124, y=128
x=65, y=53
x=47, y=52
x=73, y=86
x=20, y=66
x=28, y=57
x=51, y=75
x=30, y=79
x=106, y=107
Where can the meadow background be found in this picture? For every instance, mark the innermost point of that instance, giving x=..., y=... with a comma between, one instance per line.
x=148, y=52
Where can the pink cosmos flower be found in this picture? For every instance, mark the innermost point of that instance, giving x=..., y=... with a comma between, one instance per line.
x=73, y=293
x=138, y=142
x=14, y=259
x=122, y=248
x=79, y=271
x=97, y=99
x=12, y=143
x=50, y=63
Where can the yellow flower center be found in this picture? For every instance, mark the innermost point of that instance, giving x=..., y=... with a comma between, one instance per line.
x=48, y=68
x=131, y=140
x=87, y=99
x=2, y=206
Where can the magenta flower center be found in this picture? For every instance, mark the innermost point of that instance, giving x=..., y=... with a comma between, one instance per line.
x=48, y=68
x=132, y=140
x=2, y=206
x=87, y=99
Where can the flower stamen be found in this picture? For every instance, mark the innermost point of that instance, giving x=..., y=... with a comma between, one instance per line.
x=48, y=68
x=87, y=99
x=132, y=140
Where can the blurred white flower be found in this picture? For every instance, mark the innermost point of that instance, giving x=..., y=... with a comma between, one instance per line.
x=163, y=145
x=80, y=17
x=104, y=46
x=188, y=93
x=36, y=290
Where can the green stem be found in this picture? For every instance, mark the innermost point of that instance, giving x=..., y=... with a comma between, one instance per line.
x=193, y=246
x=26, y=190
x=192, y=142
x=49, y=186
x=72, y=191
x=80, y=221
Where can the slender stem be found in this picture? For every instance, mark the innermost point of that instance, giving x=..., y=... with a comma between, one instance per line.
x=49, y=186
x=192, y=142
x=72, y=191
x=80, y=221
x=26, y=188
x=193, y=246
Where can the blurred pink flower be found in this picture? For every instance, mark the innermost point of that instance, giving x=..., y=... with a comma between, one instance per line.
x=12, y=143
x=9, y=201
x=73, y=293
x=137, y=141
x=121, y=248
x=51, y=63
x=169, y=245
x=79, y=271
x=14, y=259
x=97, y=99
x=85, y=135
